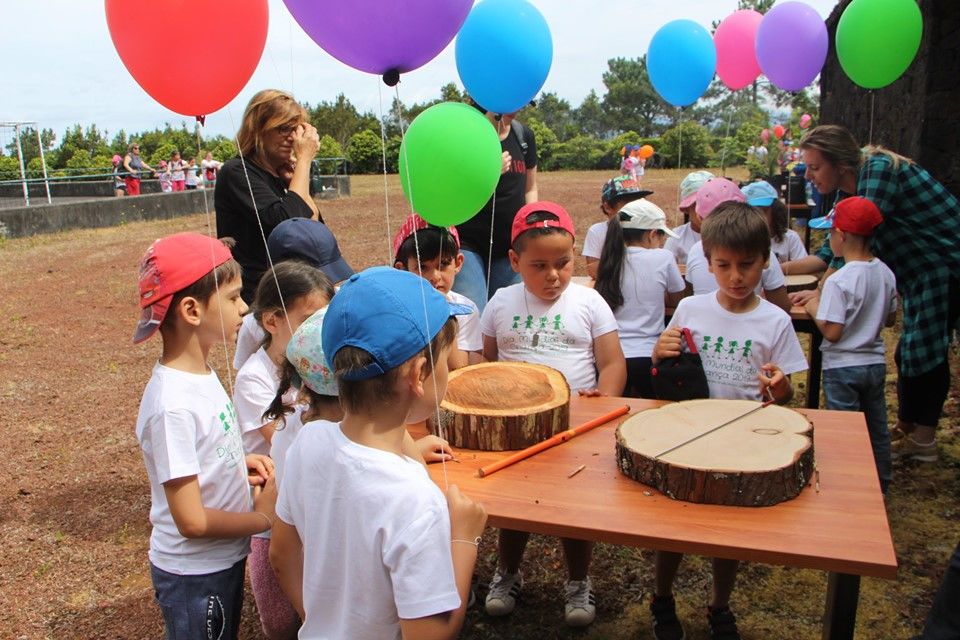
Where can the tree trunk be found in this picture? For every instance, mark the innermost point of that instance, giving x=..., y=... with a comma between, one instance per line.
x=498, y=406
x=757, y=460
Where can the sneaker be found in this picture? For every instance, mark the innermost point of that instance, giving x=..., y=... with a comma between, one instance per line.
x=666, y=625
x=503, y=594
x=723, y=624
x=581, y=605
x=906, y=448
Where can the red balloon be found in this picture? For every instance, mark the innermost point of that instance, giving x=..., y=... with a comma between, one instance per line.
x=778, y=131
x=231, y=35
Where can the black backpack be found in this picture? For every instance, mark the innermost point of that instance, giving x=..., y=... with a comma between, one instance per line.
x=682, y=377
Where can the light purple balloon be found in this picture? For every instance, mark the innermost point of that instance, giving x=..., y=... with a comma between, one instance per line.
x=378, y=36
x=792, y=45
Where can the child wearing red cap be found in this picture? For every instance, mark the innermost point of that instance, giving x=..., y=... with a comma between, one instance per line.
x=192, y=448
x=433, y=253
x=547, y=320
x=856, y=302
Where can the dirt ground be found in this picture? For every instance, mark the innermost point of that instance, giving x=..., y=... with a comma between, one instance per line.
x=74, y=508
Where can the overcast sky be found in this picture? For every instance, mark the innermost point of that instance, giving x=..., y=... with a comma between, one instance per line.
x=61, y=67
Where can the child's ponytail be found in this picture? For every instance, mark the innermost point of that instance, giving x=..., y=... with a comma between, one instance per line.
x=278, y=409
x=610, y=267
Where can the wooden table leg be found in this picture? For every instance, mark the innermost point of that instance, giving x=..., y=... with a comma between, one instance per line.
x=815, y=371
x=840, y=613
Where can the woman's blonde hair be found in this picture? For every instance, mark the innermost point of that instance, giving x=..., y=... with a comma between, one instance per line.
x=839, y=147
x=267, y=109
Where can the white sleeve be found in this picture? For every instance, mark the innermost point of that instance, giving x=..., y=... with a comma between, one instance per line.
x=468, y=331
x=248, y=340
x=284, y=505
x=593, y=243
x=795, y=248
x=787, y=352
x=488, y=321
x=172, y=436
x=833, y=303
x=252, y=396
x=773, y=277
x=602, y=319
x=675, y=282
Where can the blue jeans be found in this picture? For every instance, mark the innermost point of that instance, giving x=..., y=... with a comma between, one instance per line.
x=206, y=606
x=861, y=388
x=472, y=279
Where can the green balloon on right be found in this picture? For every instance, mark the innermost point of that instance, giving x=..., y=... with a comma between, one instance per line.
x=878, y=39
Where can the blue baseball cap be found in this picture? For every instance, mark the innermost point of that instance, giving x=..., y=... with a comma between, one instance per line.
x=760, y=194
x=825, y=222
x=311, y=241
x=389, y=313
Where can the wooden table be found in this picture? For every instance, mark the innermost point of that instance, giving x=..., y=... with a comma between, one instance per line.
x=842, y=529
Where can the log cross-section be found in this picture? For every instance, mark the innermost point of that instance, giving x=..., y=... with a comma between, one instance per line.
x=499, y=406
x=764, y=458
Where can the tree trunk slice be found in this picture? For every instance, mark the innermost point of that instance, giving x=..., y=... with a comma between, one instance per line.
x=757, y=461
x=801, y=282
x=498, y=406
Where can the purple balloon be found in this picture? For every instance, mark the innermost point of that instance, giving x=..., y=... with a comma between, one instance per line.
x=792, y=45
x=378, y=36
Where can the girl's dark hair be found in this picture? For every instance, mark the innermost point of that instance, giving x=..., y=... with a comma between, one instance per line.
x=778, y=220
x=610, y=266
x=433, y=242
x=294, y=279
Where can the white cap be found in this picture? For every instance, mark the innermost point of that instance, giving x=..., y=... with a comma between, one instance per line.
x=643, y=214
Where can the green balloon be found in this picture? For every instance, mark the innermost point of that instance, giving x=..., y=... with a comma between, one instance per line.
x=449, y=163
x=878, y=39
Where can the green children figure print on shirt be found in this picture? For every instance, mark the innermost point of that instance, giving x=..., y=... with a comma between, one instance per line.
x=232, y=446
x=726, y=347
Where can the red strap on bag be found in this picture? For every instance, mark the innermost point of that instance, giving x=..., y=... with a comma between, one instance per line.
x=689, y=338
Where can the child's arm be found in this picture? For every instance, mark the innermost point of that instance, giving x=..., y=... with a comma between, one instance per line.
x=467, y=520
x=671, y=300
x=832, y=331
x=474, y=357
x=194, y=520
x=490, y=348
x=775, y=383
x=428, y=449
x=593, y=264
x=779, y=297
x=286, y=556
x=457, y=359
x=611, y=365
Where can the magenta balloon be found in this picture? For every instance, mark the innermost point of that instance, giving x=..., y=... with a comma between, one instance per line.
x=734, y=39
x=792, y=45
x=377, y=36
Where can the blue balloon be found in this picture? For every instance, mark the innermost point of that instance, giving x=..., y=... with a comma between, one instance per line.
x=504, y=51
x=681, y=61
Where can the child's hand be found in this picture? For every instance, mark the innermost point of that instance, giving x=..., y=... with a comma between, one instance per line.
x=434, y=449
x=590, y=393
x=801, y=298
x=259, y=469
x=668, y=345
x=505, y=161
x=467, y=518
x=265, y=500
x=774, y=383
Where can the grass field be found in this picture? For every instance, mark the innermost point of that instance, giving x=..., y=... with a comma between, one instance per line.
x=74, y=506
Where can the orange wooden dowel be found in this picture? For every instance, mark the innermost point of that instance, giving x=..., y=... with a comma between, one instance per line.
x=552, y=441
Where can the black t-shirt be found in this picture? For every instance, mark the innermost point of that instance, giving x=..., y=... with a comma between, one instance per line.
x=510, y=197
x=237, y=218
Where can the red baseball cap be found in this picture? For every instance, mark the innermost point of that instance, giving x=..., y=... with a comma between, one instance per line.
x=522, y=223
x=856, y=215
x=415, y=223
x=170, y=265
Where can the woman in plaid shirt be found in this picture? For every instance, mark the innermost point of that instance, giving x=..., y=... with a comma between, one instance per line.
x=919, y=240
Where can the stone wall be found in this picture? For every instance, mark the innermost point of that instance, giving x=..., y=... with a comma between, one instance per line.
x=919, y=114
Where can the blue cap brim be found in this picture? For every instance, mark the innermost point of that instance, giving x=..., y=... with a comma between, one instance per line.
x=826, y=222
x=460, y=309
x=760, y=202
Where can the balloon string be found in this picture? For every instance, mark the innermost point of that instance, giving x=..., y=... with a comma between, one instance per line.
x=726, y=136
x=873, y=95
x=216, y=282
x=256, y=215
x=386, y=189
x=423, y=292
x=680, y=141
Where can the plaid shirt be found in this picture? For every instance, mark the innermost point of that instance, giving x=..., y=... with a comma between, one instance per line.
x=919, y=240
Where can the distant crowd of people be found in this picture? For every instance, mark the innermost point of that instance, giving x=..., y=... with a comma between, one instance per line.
x=176, y=174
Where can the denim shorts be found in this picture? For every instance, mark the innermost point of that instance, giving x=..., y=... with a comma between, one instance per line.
x=206, y=606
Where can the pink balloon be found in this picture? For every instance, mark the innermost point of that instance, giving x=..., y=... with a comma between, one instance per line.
x=734, y=39
x=765, y=136
x=805, y=120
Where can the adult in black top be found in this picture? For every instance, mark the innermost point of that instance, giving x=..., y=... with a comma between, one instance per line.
x=277, y=144
x=517, y=187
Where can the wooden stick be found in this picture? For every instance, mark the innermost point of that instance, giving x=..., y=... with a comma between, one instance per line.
x=553, y=441
x=576, y=471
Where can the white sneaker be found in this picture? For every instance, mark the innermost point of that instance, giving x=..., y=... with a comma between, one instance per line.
x=503, y=594
x=580, y=608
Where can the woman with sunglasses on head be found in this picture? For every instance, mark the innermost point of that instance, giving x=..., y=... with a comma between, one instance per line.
x=133, y=164
x=268, y=182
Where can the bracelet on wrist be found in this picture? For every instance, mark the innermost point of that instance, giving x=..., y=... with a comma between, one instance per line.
x=267, y=518
x=475, y=542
